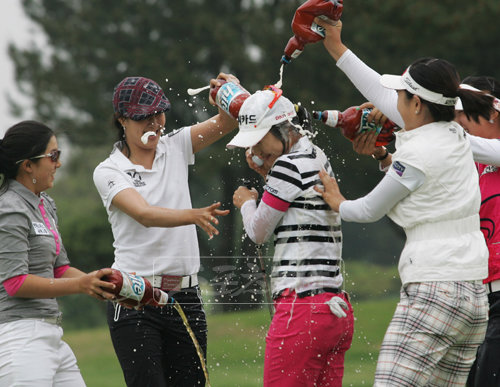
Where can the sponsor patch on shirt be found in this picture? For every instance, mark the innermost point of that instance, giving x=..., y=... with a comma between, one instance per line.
x=40, y=228
x=489, y=169
x=399, y=168
x=271, y=190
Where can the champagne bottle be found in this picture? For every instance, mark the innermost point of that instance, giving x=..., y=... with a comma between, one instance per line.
x=135, y=291
x=353, y=121
x=304, y=28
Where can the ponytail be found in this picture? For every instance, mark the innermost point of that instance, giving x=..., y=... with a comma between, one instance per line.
x=476, y=104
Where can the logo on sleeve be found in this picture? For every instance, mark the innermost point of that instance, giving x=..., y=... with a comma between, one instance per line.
x=271, y=190
x=40, y=228
x=399, y=168
x=174, y=132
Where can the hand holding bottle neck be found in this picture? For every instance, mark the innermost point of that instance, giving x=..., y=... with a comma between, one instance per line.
x=332, y=41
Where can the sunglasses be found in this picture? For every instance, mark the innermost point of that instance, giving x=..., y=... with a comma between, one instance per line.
x=277, y=94
x=54, y=156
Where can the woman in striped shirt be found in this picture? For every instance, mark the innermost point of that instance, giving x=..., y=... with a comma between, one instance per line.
x=313, y=325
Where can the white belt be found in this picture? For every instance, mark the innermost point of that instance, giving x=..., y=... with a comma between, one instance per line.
x=187, y=281
x=55, y=320
x=493, y=286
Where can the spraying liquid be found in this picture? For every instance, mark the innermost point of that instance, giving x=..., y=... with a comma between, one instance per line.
x=145, y=137
x=195, y=342
x=280, y=81
x=198, y=90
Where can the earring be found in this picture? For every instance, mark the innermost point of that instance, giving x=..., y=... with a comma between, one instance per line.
x=34, y=181
x=416, y=112
x=491, y=121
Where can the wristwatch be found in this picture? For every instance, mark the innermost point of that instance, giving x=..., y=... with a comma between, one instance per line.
x=383, y=157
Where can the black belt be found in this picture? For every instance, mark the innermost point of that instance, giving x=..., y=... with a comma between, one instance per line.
x=311, y=292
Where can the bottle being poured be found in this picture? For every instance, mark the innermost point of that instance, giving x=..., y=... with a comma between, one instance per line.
x=354, y=121
x=304, y=28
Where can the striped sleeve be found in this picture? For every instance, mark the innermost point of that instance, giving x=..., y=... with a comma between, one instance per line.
x=284, y=181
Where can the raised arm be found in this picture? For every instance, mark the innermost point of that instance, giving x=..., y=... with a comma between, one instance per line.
x=364, y=78
x=213, y=129
x=485, y=150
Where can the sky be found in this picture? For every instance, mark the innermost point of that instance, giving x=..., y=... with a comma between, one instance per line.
x=15, y=27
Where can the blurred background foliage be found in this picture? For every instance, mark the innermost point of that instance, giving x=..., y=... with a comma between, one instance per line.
x=93, y=44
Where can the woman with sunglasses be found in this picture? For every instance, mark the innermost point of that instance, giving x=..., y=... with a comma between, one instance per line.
x=34, y=267
x=431, y=190
x=313, y=325
x=144, y=188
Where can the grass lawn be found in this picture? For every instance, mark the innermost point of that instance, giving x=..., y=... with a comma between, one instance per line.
x=236, y=348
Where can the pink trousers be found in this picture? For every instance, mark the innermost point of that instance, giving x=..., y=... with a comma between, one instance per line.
x=306, y=343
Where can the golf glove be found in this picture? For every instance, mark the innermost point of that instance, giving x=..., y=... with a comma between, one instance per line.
x=337, y=305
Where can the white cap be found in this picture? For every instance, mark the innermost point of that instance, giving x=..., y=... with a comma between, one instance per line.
x=258, y=114
x=406, y=82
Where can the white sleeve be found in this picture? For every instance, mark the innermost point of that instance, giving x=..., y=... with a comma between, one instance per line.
x=485, y=150
x=376, y=204
x=367, y=81
x=109, y=181
x=259, y=222
x=181, y=139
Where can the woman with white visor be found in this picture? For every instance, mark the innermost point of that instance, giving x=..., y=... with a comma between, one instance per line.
x=431, y=190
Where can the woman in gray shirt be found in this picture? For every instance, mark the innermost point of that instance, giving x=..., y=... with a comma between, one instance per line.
x=34, y=267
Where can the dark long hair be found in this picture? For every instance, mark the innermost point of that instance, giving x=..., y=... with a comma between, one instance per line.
x=22, y=141
x=121, y=132
x=441, y=76
x=487, y=84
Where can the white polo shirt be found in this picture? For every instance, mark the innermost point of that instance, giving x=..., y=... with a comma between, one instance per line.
x=154, y=250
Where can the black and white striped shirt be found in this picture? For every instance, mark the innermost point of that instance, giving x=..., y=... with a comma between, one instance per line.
x=308, y=238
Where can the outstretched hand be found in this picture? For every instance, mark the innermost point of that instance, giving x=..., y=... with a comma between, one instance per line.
x=331, y=192
x=206, y=218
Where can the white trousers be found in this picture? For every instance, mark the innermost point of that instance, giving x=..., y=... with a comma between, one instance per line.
x=33, y=354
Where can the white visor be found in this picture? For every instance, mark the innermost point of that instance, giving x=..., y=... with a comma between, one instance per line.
x=406, y=82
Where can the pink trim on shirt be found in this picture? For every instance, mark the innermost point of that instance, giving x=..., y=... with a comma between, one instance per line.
x=49, y=226
x=274, y=202
x=13, y=284
x=60, y=270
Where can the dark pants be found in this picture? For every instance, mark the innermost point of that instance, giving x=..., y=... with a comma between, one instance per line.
x=485, y=371
x=153, y=345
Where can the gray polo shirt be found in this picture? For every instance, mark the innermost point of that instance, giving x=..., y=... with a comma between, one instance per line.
x=27, y=246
